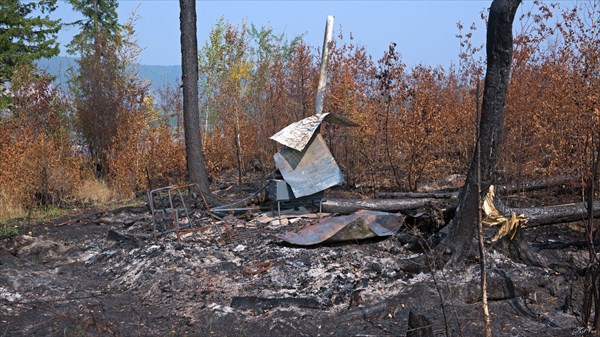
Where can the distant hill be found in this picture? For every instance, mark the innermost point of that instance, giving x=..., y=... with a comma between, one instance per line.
x=159, y=75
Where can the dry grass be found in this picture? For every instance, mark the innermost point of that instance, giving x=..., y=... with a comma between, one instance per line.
x=9, y=206
x=94, y=191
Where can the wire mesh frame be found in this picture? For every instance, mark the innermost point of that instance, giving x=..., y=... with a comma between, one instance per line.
x=173, y=211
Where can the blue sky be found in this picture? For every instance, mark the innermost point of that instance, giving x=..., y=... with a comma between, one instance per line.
x=423, y=30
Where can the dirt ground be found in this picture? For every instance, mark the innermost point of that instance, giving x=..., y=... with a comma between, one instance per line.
x=102, y=274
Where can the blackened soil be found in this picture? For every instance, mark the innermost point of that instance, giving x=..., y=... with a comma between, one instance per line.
x=105, y=275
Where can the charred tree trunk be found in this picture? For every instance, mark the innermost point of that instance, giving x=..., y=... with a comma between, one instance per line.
x=460, y=241
x=191, y=117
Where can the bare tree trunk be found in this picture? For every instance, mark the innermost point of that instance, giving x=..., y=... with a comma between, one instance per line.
x=499, y=50
x=191, y=119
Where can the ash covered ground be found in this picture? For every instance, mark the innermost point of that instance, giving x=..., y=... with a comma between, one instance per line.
x=103, y=274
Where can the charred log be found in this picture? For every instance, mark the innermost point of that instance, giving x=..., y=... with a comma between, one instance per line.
x=517, y=248
x=348, y=206
x=540, y=216
x=429, y=220
x=418, y=195
x=537, y=184
x=525, y=186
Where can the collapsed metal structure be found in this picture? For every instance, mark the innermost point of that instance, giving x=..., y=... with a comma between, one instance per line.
x=304, y=160
x=308, y=168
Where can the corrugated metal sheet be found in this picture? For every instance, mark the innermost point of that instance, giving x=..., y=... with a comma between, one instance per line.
x=309, y=171
x=360, y=225
x=298, y=134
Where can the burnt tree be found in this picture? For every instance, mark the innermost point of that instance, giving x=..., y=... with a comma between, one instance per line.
x=196, y=166
x=460, y=243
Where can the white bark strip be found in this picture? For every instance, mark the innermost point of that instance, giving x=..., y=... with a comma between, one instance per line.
x=323, y=69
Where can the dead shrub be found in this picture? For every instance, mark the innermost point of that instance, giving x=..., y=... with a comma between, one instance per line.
x=141, y=149
x=36, y=171
x=37, y=164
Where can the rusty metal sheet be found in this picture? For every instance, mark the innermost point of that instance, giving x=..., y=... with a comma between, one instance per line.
x=310, y=171
x=359, y=225
x=298, y=134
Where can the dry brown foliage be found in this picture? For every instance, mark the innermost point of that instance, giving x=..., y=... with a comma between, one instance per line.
x=417, y=123
x=38, y=166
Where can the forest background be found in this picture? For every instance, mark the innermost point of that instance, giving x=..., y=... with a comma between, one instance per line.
x=108, y=131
